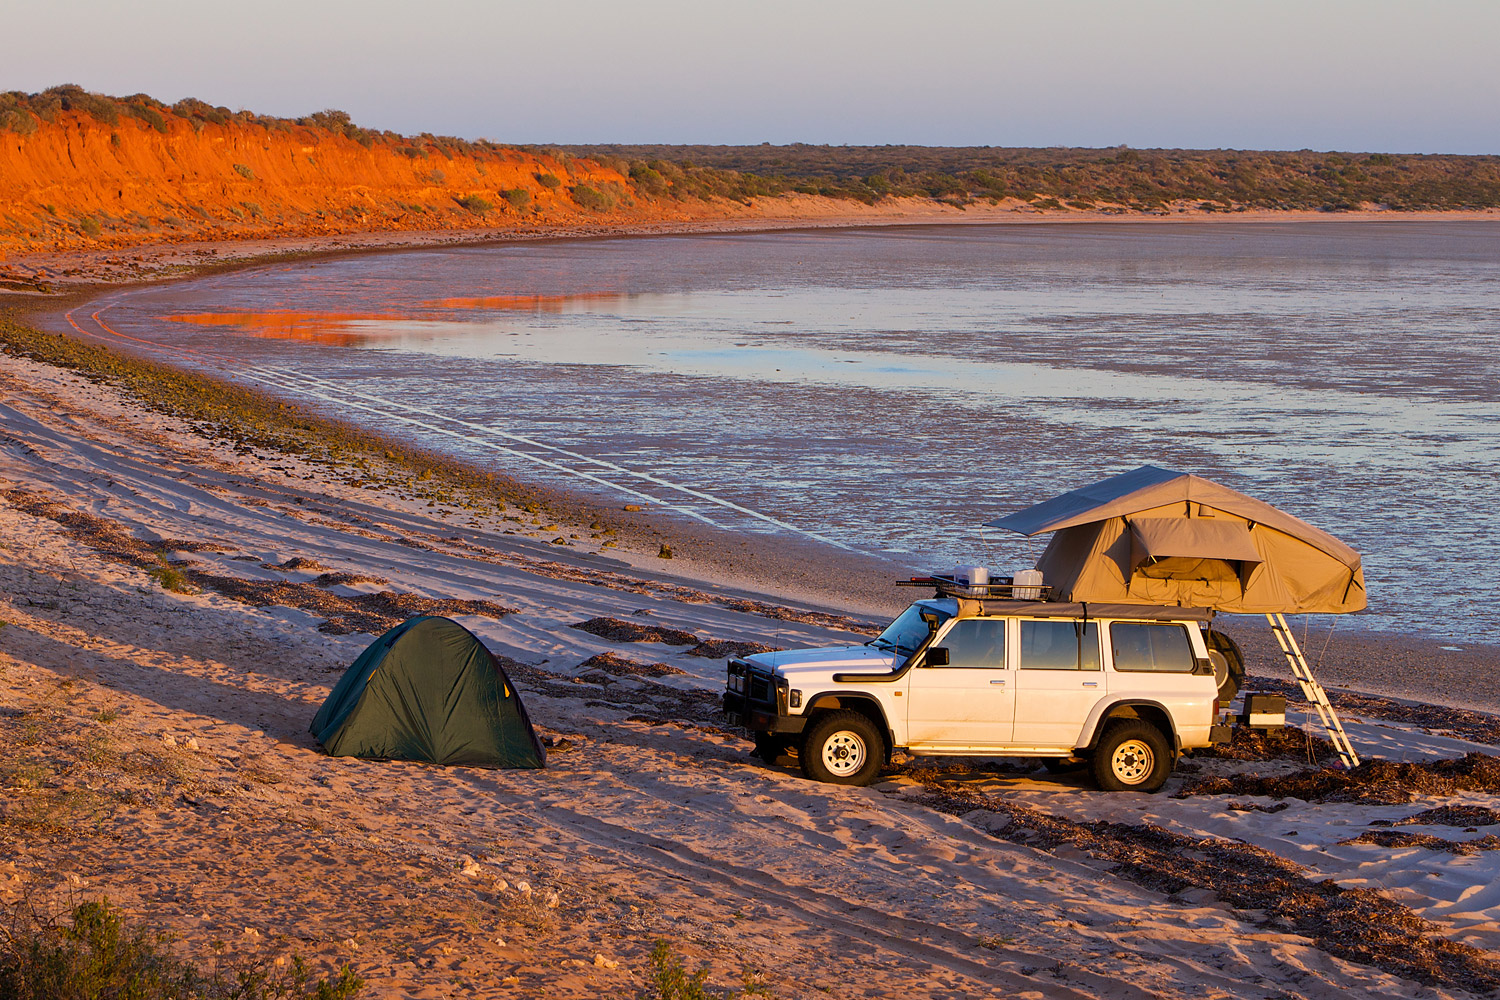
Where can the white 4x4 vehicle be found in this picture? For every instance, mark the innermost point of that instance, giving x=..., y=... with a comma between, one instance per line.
x=1121, y=687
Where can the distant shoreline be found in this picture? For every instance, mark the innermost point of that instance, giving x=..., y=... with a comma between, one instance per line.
x=46, y=278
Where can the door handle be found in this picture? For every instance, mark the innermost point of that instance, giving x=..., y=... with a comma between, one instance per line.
x=1090, y=684
x=1002, y=683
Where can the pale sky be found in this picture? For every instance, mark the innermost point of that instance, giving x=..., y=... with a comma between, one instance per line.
x=1359, y=75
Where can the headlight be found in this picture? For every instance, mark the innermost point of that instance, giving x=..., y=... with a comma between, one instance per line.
x=794, y=699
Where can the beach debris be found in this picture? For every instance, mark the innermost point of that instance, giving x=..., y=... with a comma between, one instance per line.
x=168, y=739
x=348, y=579
x=1426, y=841
x=1464, y=816
x=605, y=963
x=296, y=564
x=619, y=630
x=1463, y=723
x=1282, y=743
x=718, y=649
x=1357, y=924
x=192, y=743
x=524, y=888
x=665, y=552
x=553, y=899
x=1377, y=782
x=612, y=663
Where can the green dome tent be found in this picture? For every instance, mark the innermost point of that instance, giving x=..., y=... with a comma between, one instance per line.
x=428, y=690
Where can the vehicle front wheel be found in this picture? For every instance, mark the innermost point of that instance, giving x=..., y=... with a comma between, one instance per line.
x=1132, y=756
x=770, y=746
x=843, y=748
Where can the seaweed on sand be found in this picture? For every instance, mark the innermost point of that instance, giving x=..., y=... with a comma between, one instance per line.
x=1377, y=782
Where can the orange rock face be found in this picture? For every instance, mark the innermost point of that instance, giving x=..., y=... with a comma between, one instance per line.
x=77, y=182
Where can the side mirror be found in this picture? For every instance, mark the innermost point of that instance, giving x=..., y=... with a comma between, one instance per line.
x=937, y=656
x=931, y=620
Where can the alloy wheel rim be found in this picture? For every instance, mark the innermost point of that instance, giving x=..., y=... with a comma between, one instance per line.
x=1133, y=761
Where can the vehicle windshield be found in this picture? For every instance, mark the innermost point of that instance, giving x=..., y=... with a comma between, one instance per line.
x=908, y=631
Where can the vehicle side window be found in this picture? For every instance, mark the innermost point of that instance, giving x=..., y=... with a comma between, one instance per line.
x=1140, y=646
x=1054, y=645
x=976, y=642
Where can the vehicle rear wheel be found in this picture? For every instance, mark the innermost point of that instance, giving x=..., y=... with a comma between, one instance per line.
x=1132, y=756
x=843, y=748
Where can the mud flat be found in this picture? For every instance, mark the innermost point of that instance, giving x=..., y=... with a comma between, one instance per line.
x=179, y=598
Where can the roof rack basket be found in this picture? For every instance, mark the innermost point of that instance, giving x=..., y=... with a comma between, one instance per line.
x=1001, y=588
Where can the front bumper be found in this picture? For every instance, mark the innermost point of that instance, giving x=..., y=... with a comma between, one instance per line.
x=758, y=718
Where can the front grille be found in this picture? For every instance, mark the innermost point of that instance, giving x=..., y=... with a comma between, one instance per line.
x=760, y=687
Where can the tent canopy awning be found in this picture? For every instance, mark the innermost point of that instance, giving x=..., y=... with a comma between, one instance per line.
x=1155, y=536
x=1149, y=487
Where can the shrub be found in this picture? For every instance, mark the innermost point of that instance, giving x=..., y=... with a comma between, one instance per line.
x=89, y=225
x=549, y=180
x=591, y=198
x=94, y=956
x=244, y=171
x=519, y=198
x=671, y=979
x=648, y=179
x=475, y=203
x=139, y=107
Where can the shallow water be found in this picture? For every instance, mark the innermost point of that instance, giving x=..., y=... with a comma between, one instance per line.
x=890, y=389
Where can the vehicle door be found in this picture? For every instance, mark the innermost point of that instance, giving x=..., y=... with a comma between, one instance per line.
x=967, y=702
x=1156, y=660
x=1058, y=681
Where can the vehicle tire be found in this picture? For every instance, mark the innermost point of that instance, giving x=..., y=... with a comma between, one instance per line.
x=1229, y=664
x=843, y=748
x=1063, y=765
x=770, y=746
x=1132, y=756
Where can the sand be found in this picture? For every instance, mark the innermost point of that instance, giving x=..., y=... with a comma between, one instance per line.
x=154, y=750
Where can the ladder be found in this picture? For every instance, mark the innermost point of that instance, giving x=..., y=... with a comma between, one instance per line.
x=1312, y=690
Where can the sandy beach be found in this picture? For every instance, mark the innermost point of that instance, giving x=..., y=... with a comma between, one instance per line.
x=177, y=604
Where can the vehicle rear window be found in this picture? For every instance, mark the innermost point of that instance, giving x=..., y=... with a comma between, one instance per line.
x=1057, y=645
x=1159, y=647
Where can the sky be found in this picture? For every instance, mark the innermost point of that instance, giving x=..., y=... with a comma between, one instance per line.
x=1354, y=75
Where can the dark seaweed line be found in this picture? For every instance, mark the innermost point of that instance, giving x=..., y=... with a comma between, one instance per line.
x=1358, y=925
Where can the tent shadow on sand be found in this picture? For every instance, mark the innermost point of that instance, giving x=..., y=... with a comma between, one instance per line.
x=428, y=690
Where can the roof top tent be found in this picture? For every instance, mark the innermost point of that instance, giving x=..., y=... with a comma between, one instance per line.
x=1157, y=537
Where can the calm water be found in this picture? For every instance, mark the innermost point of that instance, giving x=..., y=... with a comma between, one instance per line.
x=890, y=389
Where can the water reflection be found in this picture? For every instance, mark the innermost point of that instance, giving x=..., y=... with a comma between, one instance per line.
x=895, y=388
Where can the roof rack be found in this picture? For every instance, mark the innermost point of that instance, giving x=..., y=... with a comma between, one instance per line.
x=1000, y=588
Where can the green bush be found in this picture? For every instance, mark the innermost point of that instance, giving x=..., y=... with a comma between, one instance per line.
x=648, y=179
x=475, y=203
x=89, y=226
x=244, y=171
x=549, y=180
x=518, y=198
x=94, y=957
x=147, y=109
x=592, y=198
